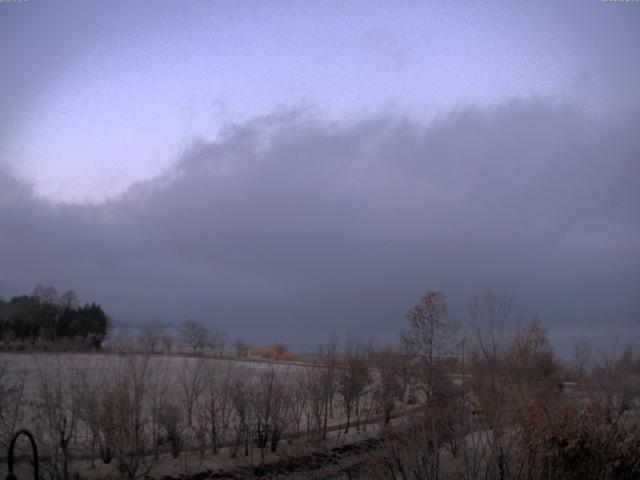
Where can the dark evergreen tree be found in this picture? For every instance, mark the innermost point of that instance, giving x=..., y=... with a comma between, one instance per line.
x=40, y=318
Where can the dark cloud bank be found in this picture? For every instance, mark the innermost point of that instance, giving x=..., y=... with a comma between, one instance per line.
x=290, y=228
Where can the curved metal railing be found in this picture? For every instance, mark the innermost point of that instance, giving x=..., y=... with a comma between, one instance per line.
x=34, y=450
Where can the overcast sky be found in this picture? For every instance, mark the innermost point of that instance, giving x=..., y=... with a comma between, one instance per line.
x=285, y=170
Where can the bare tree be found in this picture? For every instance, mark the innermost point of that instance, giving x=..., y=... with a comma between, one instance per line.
x=190, y=430
x=167, y=343
x=89, y=414
x=121, y=339
x=354, y=377
x=156, y=396
x=46, y=294
x=299, y=402
x=431, y=331
x=530, y=356
x=508, y=373
x=217, y=402
x=194, y=335
x=429, y=341
x=280, y=350
x=192, y=384
x=151, y=334
x=388, y=388
x=270, y=404
x=57, y=409
x=580, y=359
x=413, y=453
x=241, y=398
x=328, y=379
x=98, y=414
x=218, y=341
x=68, y=299
x=125, y=396
x=241, y=347
x=315, y=383
x=488, y=317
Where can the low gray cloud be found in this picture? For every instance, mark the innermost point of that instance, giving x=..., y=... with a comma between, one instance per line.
x=292, y=228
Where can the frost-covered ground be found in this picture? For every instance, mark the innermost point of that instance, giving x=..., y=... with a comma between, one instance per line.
x=97, y=367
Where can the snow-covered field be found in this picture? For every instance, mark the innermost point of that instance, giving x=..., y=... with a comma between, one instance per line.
x=99, y=366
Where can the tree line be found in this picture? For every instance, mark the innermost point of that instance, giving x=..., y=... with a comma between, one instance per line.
x=46, y=318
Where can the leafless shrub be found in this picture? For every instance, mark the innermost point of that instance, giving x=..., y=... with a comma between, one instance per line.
x=125, y=398
x=89, y=415
x=414, y=452
x=570, y=440
x=11, y=403
x=56, y=408
x=170, y=421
